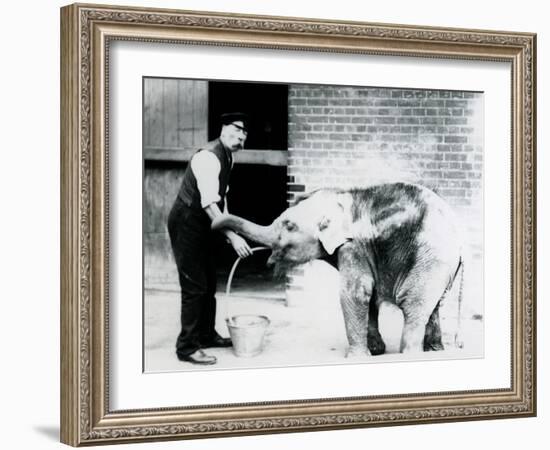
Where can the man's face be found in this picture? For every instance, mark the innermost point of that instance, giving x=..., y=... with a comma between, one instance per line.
x=233, y=135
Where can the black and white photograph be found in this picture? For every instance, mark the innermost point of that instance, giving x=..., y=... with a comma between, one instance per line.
x=281, y=224
x=307, y=224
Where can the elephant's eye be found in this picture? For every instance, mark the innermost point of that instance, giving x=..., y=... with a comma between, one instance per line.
x=290, y=226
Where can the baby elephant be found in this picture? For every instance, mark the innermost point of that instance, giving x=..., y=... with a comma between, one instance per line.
x=393, y=242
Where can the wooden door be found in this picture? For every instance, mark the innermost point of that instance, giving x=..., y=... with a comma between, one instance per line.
x=175, y=117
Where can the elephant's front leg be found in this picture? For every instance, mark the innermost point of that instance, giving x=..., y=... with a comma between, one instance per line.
x=355, y=295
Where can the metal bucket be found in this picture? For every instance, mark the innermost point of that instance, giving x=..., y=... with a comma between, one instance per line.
x=247, y=332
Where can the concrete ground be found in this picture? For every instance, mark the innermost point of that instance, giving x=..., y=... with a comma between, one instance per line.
x=292, y=338
x=300, y=334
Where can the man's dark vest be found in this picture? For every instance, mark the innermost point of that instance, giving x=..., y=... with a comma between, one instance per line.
x=189, y=192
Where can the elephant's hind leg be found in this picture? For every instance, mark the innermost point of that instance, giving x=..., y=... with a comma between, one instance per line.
x=432, y=337
x=418, y=300
x=375, y=343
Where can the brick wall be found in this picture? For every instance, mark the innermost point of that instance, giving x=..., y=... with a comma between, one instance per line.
x=352, y=137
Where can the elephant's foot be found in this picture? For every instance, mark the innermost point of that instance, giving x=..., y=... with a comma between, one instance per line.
x=357, y=352
x=433, y=342
x=433, y=346
x=375, y=344
x=412, y=339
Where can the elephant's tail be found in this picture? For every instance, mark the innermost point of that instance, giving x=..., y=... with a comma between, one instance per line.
x=459, y=271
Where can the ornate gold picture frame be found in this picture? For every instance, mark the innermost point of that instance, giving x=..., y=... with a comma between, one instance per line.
x=87, y=413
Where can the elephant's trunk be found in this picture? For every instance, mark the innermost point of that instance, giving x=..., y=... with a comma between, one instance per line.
x=262, y=234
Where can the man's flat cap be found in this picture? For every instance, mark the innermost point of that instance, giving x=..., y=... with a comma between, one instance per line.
x=228, y=118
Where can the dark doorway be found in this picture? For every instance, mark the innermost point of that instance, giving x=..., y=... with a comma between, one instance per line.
x=266, y=104
x=258, y=191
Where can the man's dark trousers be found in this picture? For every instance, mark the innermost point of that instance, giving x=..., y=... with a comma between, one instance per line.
x=192, y=245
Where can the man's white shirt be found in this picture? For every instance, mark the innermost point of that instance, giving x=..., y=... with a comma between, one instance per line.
x=206, y=168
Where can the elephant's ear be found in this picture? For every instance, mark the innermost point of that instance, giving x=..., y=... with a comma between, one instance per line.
x=333, y=229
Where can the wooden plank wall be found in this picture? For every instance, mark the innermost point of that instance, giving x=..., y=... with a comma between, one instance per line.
x=161, y=185
x=175, y=113
x=175, y=119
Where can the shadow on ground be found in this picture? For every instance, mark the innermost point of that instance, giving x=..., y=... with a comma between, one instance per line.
x=50, y=432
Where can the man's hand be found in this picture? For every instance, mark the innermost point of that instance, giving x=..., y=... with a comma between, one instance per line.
x=239, y=245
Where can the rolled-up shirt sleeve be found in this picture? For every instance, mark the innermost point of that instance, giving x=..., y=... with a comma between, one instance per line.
x=206, y=168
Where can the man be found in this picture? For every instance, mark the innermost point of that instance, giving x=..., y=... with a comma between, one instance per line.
x=201, y=198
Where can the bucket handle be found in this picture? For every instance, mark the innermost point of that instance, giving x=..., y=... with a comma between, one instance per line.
x=230, y=278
